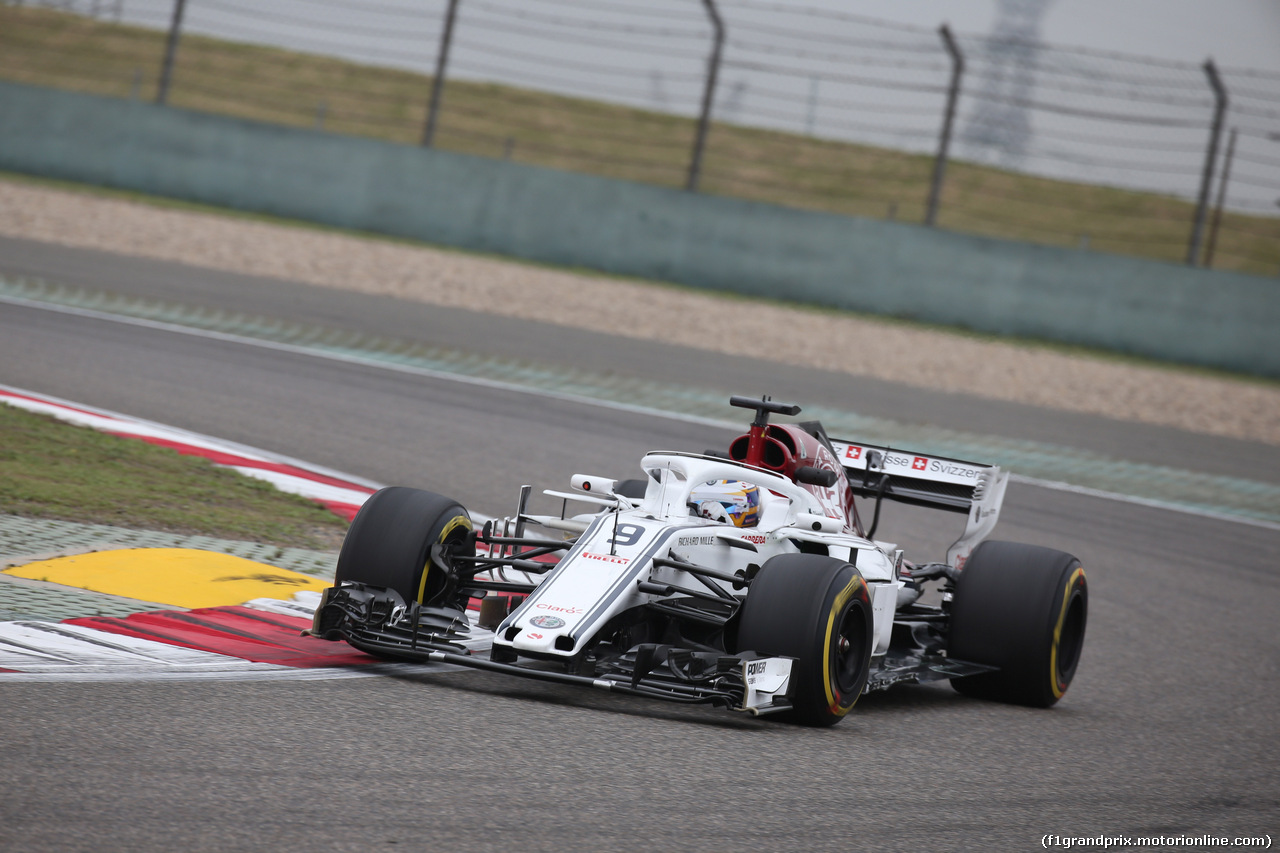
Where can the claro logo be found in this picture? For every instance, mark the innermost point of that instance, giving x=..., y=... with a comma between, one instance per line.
x=556, y=608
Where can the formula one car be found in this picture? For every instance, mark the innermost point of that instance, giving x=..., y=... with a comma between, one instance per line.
x=744, y=579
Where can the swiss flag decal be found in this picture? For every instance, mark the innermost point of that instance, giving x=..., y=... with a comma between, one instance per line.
x=920, y=463
x=853, y=452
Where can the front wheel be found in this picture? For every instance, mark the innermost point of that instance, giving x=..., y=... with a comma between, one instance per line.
x=1021, y=608
x=815, y=609
x=390, y=540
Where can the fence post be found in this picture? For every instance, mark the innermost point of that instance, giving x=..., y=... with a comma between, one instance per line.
x=944, y=144
x=811, y=117
x=170, y=50
x=708, y=95
x=1210, y=160
x=1222, y=197
x=437, y=84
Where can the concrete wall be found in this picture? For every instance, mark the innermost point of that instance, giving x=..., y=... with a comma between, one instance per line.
x=1155, y=309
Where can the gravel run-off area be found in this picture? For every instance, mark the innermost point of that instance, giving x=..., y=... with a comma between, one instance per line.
x=925, y=357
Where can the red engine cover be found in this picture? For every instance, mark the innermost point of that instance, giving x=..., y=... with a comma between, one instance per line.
x=788, y=447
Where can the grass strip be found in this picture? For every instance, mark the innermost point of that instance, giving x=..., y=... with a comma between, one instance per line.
x=55, y=470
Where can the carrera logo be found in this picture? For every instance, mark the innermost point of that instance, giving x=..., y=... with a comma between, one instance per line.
x=853, y=452
x=920, y=463
x=754, y=539
x=606, y=558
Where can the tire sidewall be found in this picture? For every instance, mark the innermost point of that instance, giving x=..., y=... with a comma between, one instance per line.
x=796, y=605
x=389, y=542
x=847, y=592
x=1065, y=650
x=1023, y=609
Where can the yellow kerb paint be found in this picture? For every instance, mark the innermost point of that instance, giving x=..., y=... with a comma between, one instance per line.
x=181, y=577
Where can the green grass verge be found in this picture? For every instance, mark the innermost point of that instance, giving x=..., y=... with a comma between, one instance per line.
x=45, y=47
x=51, y=469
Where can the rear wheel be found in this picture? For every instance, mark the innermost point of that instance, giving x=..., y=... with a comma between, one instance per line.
x=816, y=609
x=389, y=542
x=1021, y=608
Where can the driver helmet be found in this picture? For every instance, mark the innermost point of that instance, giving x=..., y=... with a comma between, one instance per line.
x=730, y=501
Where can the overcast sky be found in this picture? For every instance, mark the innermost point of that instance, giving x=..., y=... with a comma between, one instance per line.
x=1233, y=32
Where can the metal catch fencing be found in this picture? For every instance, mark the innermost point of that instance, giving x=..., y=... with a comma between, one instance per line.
x=989, y=134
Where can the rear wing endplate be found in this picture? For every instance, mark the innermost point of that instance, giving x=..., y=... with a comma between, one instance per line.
x=937, y=482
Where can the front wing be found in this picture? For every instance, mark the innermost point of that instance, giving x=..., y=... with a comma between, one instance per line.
x=378, y=621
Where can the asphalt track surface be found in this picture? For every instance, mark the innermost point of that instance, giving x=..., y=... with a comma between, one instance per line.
x=1169, y=729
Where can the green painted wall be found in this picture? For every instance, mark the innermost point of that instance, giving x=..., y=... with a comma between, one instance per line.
x=1149, y=308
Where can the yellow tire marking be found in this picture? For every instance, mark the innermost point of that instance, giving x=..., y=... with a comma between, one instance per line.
x=833, y=701
x=1060, y=689
x=454, y=523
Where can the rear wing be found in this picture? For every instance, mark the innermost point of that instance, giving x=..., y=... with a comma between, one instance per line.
x=937, y=482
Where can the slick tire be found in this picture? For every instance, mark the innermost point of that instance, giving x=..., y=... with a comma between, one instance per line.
x=1021, y=608
x=389, y=543
x=816, y=609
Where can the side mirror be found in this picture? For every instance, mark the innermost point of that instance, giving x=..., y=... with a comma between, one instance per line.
x=594, y=485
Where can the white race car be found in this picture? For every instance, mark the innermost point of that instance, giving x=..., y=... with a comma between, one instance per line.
x=744, y=579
